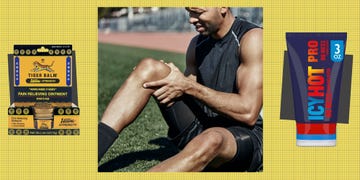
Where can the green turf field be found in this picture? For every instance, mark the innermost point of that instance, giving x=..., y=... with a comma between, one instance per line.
x=143, y=144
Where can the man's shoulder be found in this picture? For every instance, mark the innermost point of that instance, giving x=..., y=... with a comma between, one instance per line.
x=253, y=34
x=245, y=23
x=242, y=27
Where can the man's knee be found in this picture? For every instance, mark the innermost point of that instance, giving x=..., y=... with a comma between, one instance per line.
x=151, y=69
x=207, y=145
x=213, y=140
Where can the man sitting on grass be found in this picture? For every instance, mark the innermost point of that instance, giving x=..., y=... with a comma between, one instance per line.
x=212, y=109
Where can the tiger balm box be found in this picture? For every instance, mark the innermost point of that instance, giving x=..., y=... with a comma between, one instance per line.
x=43, y=91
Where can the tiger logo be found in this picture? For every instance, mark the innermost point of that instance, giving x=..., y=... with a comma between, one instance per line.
x=41, y=67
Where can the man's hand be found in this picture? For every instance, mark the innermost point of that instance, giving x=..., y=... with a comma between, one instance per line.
x=169, y=88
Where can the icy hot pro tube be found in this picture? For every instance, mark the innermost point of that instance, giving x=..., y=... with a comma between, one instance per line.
x=316, y=62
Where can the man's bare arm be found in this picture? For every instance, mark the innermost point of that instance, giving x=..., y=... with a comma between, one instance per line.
x=243, y=106
x=164, y=94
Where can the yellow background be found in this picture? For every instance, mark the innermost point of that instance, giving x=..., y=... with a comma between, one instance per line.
x=75, y=157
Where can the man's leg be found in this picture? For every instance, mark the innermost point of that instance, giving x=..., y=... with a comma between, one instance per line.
x=128, y=102
x=180, y=119
x=214, y=146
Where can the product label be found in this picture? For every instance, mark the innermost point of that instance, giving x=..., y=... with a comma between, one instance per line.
x=35, y=71
x=316, y=63
x=66, y=122
x=43, y=92
x=42, y=73
x=318, y=81
x=337, y=50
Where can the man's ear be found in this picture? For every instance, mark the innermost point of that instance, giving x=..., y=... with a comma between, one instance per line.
x=224, y=10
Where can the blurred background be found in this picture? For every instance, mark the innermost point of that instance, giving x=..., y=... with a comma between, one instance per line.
x=149, y=19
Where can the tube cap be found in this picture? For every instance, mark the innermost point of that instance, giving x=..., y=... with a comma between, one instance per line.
x=316, y=134
x=315, y=142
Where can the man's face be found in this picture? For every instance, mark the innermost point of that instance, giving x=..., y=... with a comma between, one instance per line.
x=206, y=20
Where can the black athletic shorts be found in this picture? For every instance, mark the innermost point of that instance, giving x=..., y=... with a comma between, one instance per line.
x=184, y=125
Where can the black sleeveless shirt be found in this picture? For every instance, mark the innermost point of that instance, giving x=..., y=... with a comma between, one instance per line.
x=217, y=62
